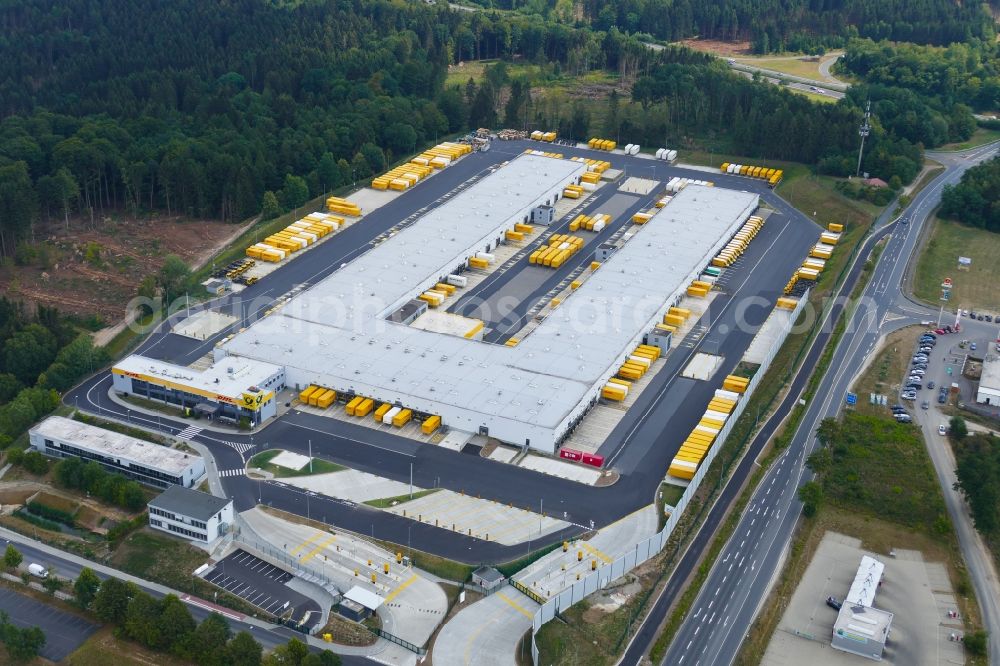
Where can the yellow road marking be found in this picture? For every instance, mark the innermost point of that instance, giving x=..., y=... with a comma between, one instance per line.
x=513, y=604
x=395, y=593
x=593, y=551
x=312, y=553
x=307, y=542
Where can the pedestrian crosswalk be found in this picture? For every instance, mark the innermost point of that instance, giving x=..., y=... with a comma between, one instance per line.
x=188, y=433
x=231, y=472
x=241, y=447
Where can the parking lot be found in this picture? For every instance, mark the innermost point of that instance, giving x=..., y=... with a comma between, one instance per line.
x=919, y=593
x=64, y=632
x=263, y=585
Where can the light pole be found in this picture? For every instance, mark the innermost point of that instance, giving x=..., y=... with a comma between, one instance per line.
x=864, y=131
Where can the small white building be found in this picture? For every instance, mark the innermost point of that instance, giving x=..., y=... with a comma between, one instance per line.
x=146, y=462
x=861, y=628
x=989, y=382
x=191, y=514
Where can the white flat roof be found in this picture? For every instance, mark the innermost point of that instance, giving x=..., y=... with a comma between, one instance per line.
x=110, y=443
x=542, y=379
x=214, y=380
x=866, y=582
x=361, y=294
x=438, y=321
x=366, y=598
x=990, y=377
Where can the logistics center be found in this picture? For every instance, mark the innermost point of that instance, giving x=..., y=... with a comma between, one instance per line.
x=341, y=333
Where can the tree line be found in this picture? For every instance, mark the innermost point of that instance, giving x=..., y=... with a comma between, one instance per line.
x=41, y=355
x=773, y=25
x=163, y=625
x=975, y=200
x=202, y=108
x=961, y=72
x=978, y=472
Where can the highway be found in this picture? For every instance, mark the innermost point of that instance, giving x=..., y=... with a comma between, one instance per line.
x=738, y=582
x=640, y=448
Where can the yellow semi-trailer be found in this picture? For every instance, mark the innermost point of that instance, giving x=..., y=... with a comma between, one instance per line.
x=430, y=424
x=381, y=411
x=682, y=469
x=327, y=399
x=611, y=392
x=523, y=228
x=639, y=360
x=402, y=418
x=446, y=288
x=516, y=236
x=364, y=408
x=353, y=405
x=835, y=227
x=304, y=395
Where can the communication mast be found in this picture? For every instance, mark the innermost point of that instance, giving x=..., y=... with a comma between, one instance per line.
x=864, y=131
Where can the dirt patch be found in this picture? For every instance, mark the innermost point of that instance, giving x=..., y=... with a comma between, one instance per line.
x=15, y=495
x=56, y=502
x=95, y=269
x=344, y=632
x=717, y=47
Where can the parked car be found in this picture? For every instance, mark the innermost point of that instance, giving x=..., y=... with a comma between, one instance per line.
x=972, y=347
x=989, y=318
x=942, y=398
x=833, y=603
x=940, y=331
x=925, y=405
x=930, y=385
x=942, y=429
x=909, y=396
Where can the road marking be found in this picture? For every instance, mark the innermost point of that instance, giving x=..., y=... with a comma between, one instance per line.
x=307, y=542
x=513, y=604
x=188, y=433
x=593, y=551
x=395, y=593
x=323, y=544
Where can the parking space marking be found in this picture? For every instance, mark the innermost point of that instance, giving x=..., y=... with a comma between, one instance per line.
x=312, y=553
x=513, y=604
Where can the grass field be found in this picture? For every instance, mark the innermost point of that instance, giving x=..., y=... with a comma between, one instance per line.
x=975, y=287
x=104, y=648
x=887, y=370
x=319, y=466
x=170, y=561
x=980, y=137
x=386, y=502
x=797, y=65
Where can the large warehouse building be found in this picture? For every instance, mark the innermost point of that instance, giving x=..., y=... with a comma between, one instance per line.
x=338, y=333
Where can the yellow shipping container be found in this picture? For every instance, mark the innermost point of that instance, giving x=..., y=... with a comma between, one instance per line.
x=304, y=395
x=380, y=412
x=326, y=399
x=364, y=408
x=401, y=419
x=353, y=405
x=430, y=424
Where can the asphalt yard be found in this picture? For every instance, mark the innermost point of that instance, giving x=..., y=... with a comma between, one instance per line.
x=481, y=518
x=63, y=632
x=263, y=585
